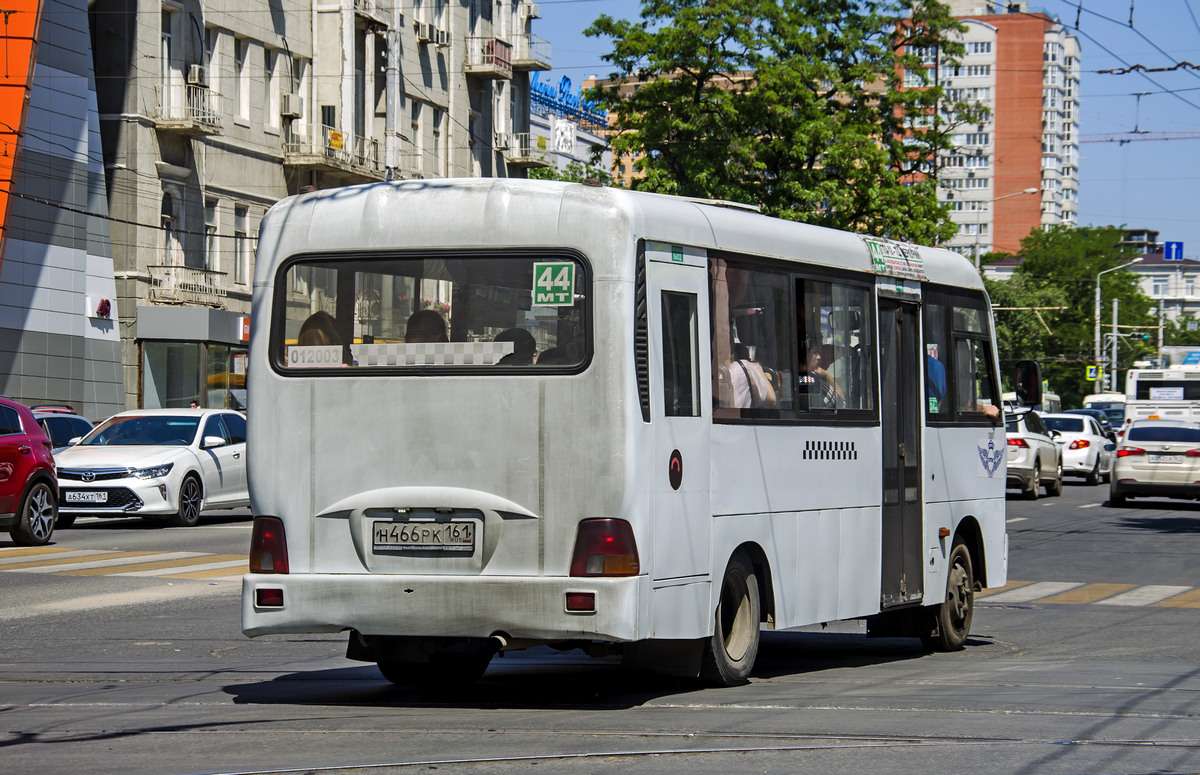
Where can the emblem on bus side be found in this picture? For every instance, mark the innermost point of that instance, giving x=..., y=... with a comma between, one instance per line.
x=675, y=470
x=990, y=458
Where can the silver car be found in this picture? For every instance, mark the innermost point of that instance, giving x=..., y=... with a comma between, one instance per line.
x=1034, y=459
x=1157, y=458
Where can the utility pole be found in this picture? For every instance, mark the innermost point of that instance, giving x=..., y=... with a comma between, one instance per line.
x=1112, y=373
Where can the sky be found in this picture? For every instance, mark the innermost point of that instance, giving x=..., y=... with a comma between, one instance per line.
x=1151, y=183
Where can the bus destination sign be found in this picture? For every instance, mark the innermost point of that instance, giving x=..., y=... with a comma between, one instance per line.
x=898, y=259
x=553, y=283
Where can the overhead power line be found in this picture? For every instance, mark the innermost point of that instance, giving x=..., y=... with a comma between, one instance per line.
x=1139, y=136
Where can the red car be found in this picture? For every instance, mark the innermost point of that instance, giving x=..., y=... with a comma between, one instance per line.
x=28, y=484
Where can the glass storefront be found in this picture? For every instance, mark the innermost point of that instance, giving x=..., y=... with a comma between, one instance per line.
x=174, y=374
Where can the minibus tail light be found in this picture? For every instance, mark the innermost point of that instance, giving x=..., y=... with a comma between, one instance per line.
x=605, y=547
x=268, y=547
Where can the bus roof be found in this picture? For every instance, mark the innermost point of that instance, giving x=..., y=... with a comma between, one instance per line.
x=467, y=213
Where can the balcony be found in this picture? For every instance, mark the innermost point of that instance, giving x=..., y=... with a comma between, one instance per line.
x=171, y=284
x=489, y=58
x=358, y=159
x=528, y=150
x=188, y=108
x=531, y=53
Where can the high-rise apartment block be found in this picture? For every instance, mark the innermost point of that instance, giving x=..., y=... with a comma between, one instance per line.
x=1017, y=170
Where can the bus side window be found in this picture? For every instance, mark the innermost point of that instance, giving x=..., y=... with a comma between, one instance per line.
x=680, y=366
x=751, y=340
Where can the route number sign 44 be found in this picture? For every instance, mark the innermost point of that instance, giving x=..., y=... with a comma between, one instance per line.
x=553, y=283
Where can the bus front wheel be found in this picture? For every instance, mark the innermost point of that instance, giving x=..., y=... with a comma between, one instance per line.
x=730, y=652
x=952, y=619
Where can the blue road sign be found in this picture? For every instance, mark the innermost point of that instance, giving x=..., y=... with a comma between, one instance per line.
x=1192, y=358
x=1172, y=251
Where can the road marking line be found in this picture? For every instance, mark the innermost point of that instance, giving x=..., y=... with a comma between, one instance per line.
x=6, y=552
x=995, y=590
x=163, y=560
x=62, y=562
x=1186, y=600
x=219, y=562
x=9, y=562
x=1033, y=592
x=1017, y=519
x=1147, y=595
x=213, y=575
x=1088, y=593
x=1089, y=505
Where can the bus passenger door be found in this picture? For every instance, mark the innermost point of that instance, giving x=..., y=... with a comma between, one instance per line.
x=900, y=412
x=680, y=400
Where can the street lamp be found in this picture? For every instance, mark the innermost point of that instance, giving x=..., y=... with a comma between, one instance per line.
x=1031, y=190
x=1106, y=271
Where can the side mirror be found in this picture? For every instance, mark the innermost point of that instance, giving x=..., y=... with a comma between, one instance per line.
x=1109, y=447
x=1029, y=383
x=212, y=441
x=74, y=441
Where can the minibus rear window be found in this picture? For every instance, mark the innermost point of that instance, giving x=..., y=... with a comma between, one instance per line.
x=491, y=312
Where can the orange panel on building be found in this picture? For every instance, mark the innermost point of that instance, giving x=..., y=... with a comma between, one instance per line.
x=19, y=25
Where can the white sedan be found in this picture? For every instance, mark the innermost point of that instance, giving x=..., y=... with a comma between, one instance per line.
x=1086, y=451
x=166, y=464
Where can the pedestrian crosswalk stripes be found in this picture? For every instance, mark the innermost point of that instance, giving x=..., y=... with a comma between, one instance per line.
x=1068, y=592
x=110, y=562
x=210, y=566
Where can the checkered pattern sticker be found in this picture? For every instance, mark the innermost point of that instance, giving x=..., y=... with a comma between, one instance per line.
x=830, y=450
x=431, y=353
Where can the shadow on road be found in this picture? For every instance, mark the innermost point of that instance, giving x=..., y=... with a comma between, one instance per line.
x=1166, y=525
x=543, y=678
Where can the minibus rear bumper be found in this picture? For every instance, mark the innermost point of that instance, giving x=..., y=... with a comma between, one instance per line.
x=521, y=607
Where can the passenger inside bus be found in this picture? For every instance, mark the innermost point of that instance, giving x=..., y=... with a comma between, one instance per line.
x=524, y=347
x=752, y=388
x=823, y=390
x=318, y=329
x=425, y=325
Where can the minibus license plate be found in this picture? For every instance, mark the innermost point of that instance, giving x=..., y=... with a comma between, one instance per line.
x=425, y=536
x=85, y=496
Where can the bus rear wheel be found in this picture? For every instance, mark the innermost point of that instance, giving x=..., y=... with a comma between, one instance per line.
x=730, y=653
x=952, y=619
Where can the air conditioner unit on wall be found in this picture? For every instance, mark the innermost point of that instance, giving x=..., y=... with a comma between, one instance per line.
x=532, y=11
x=441, y=37
x=424, y=32
x=500, y=143
x=291, y=105
x=196, y=76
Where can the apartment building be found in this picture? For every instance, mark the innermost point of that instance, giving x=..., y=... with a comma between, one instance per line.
x=209, y=112
x=1017, y=170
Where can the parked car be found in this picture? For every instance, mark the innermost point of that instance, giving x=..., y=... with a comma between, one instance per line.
x=1086, y=449
x=1101, y=418
x=62, y=425
x=1034, y=459
x=28, y=488
x=1157, y=458
x=163, y=464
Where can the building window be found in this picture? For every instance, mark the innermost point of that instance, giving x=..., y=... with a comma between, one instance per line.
x=172, y=247
x=210, y=234
x=270, y=88
x=241, y=78
x=979, y=47
x=436, y=126
x=1158, y=287
x=241, y=245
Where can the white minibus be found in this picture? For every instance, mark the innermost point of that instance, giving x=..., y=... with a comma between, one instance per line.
x=491, y=414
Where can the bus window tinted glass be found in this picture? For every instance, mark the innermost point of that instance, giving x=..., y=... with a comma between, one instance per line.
x=751, y=346
x=834, y=332
x=681, y=384
x=420, y=313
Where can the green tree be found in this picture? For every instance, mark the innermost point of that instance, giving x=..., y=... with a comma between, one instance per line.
x=1059, y=268
x=574, y=172
x=799, y=108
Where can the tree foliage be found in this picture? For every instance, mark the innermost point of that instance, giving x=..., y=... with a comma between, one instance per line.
x=1059, y=269
x=573, y=172
x=796, y=107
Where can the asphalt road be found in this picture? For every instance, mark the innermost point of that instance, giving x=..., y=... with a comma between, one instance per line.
x=1085, y=663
